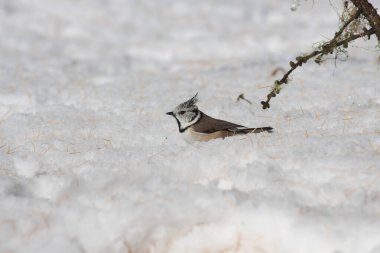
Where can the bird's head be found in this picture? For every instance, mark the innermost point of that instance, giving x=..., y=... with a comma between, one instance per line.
x=186, y=113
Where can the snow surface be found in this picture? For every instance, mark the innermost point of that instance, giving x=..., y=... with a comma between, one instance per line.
x=89, y=162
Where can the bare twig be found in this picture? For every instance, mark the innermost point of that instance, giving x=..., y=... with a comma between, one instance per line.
x=241, y=96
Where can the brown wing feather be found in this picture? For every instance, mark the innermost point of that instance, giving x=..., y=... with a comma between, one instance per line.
x=253, y=130
x=208, y=124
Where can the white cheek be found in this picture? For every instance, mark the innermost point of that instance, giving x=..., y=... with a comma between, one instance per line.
x=186, y=123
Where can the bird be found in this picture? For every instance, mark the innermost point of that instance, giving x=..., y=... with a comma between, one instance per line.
x=201, y=127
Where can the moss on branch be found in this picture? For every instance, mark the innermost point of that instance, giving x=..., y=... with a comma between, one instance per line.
x=361, y=11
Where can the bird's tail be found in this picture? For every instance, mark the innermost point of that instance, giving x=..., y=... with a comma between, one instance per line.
x=254, y=130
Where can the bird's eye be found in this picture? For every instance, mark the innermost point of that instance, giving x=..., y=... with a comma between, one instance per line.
x=181, y=112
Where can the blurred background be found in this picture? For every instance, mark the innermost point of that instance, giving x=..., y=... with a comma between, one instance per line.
x=89, y=162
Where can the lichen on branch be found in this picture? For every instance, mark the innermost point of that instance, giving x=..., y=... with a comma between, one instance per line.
x=353, y=18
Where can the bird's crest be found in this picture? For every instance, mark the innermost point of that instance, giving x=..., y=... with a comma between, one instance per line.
x=192, y=102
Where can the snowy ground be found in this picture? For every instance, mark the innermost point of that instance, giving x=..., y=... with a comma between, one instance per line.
x=89, y=162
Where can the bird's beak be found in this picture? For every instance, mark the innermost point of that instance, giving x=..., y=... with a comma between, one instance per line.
x=170, y=113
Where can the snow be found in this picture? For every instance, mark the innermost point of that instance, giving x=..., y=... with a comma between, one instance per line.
x=89, y=162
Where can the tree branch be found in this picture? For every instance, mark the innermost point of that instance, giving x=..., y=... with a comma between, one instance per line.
x=363, y=7
x=326, y=48
x=370, y=13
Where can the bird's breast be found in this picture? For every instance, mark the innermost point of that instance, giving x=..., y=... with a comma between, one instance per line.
x=192, y=135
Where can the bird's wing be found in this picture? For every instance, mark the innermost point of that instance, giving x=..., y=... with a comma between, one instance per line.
x=208, y=124
x=252, y=130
